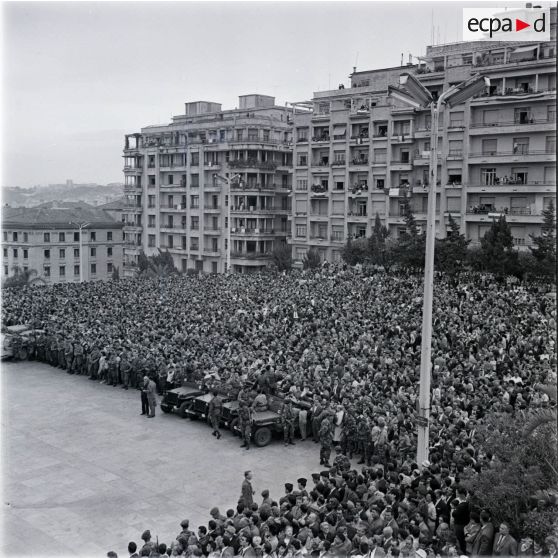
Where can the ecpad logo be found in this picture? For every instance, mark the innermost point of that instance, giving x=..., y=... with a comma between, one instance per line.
x=523, y=24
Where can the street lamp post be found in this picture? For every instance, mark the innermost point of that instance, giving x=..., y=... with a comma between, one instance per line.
x=81, y=226
x=418, y=96
x=228, y=179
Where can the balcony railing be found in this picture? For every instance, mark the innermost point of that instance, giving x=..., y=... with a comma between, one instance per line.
x=517, y=122
x=339, y=163
x=208, y=206
x=252, y=231
x=515, y=152
x=487, y=209
x=250, y=255
x=253, y=163
x=253, y=186
x=321, y=138
x=506, y=181
x=360, y=161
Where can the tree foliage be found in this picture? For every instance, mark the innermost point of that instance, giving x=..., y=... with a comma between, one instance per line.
x=378, y=249
x=544, y=250
x=312, y=259
x=522, y=468
x=497, y=253
x=22, y=277
x=451, y=252
x=355, y=251
x=282, y=258
x=410, y=249
x=158, y=265
x=115, y=274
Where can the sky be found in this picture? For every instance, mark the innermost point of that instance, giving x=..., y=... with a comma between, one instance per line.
x=77, y=76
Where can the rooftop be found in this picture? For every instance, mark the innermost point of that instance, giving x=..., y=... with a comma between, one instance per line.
x=57, y=217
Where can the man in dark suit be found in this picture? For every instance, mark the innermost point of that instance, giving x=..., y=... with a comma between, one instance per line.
x=247, y=492
x=484, y=541
x=504, y=543
x=461, y=518
x=442, y=508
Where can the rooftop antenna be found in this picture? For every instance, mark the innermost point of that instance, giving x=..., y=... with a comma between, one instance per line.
x=432, y=27
x=401, y=59
x=356, y=62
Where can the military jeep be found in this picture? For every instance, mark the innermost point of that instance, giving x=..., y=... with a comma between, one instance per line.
x=178, y=400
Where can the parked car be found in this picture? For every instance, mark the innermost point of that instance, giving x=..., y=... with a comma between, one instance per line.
x=15, y=339
x=179, y=399
x=199, y=406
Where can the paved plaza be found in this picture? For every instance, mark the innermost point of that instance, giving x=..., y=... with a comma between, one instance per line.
x=84, y=473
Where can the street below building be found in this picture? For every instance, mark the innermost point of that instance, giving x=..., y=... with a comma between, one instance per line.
x=84, y=472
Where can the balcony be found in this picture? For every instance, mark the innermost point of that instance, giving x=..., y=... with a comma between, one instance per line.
x=455, y=154
x=253, y=186
x=254, y=209
x=513, y=186
x=486, y=213
x=321, y=139
x=361, y=138
x=318, y=216
x=250, y=255
x=132, y=187
x=246, y=232
x=401, y=165
x=513, y=126
x=133, y=170
x=212, y=208
x=358, y=190
x=212, y=230
x=359, y=161
x=402, y=138
x=302, y=140
x=171, y=208
x=253, y=164
x=522, y=154
x=339, y=163
x=357, y=215
x=211, y=252
x=133, y=208
x=174, y=187
x=318, y=190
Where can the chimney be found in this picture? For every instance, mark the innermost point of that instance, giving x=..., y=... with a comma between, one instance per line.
x=529, y=5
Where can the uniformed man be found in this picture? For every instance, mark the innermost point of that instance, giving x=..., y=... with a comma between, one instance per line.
x=68, y=349
x=60, y=349
x=112, y=369
x=245, y=424
x=214, y=413
x=362, y=438
x=151, y=392
x=341, y=462
x=77, y=363
x=326, y=441
x=125, y=369
x=41, y=347
x=288, y=416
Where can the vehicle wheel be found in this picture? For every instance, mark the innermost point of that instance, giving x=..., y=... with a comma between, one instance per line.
x=182, y=409
x=262, y=436
x=23, y=354
x=233, y=426
x=165, y=408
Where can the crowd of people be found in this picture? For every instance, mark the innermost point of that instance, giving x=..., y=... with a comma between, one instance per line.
x=348, y=342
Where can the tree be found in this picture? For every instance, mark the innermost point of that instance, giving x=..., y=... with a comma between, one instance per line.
x=158, y=265
x=355, y=251
x=544, y=250
x=22, y=277
x=116, y=274
x=520, y=470
x=411, y=246
x=451, y=252
x=497, y=253
x=312, y=259
x=282, y=258
x=377, y=246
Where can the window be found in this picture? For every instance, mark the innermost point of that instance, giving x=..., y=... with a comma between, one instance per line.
x=151, y=240
x=92, y=251
x=339, y=185
x=109, y=267
x=46, y=270
x=455, y=148
x=551, y=144
x=519, y=175
x=14, y=236
x=551, y=113
x=76, y=269
x=6, y=270
x=61, y=237
x=170, y=241
x=62, y=271
x=301, y=230
x=489, y=146
x=194, y=202
x=47, y=254
x=109, y=252
x=522, y=116
x=194, y=244
x=521, y=146
x=454, y=205
x=46, y=237
x=550, y=175
x=380, y=155
x=5, y=252
x=488, y=176
x=194, y=159
x=151, y=180
x=239, y=134
x=76, y=252
x=337, y=233
x=5, y=236
x=252, y=134
x=151, y=221
x=171, y=179
x=76, y=237
x=109, y=236
x=15, y=253
x=25, y=237
x=300, y=254
x=302, y=159
x=194, y=223
x=93, y=236
x=302, y=184
x=404, y=156
x=490, y=117
x=457, y=119
x=380, y=183
x=338, y=207
x=62, y=253
x=93, y=268
x=454, y=178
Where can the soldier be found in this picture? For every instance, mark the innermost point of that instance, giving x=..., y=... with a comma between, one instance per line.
x=68, y=355
x=93, y=365
x=287, y=414
x=112, y=369
x=77, y=363
x=245, y=424
x=125, y=369
x=315, y=415
x=60, y=350
x=214, y=413
x=41, y=347
x=362, y=438
x=341, y=462
x=348, y=436
x=17, y=345
x=326, y=441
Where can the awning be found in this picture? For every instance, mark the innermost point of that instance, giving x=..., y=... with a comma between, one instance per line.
x=524, y=49
x=339, y=129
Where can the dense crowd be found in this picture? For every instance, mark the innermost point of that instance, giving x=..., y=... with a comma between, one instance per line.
x=349, y=343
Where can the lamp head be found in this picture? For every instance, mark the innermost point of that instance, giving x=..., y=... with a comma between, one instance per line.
x=416, y=89
x=467, y=89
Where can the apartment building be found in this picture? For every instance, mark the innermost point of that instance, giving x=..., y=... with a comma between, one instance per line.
x=47, y=239
x=358, y=153
x=177, y=180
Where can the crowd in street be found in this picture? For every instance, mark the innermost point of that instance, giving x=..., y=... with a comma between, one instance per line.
x=348, y=343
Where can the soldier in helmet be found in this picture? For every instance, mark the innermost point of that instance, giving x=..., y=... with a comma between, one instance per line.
x=125, y=369
x=214, y=413
x=245, y=424
x=288, y=416
x=326, y=441
x=68, y=349
x=77, y=363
